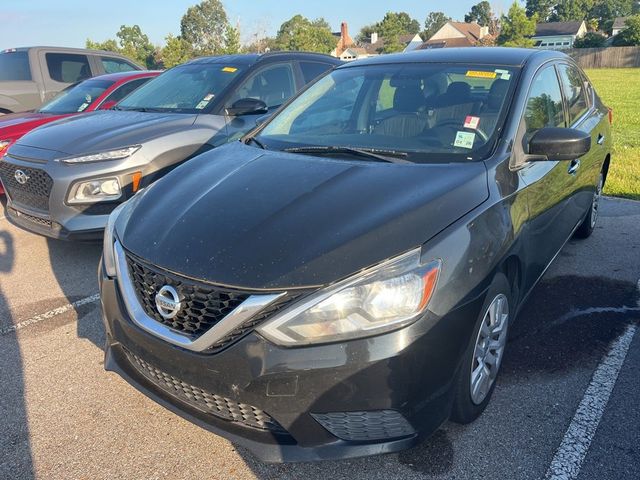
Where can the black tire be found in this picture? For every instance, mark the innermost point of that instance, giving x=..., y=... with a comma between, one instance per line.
x=587, y=227
x=465, y=409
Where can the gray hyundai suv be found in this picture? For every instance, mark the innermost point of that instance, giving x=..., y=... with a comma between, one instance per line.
x=62, y=180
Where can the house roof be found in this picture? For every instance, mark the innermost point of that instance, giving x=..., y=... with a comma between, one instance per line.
x=551, y=29
x=472, y=33
x=619, y=22
x=469, y=30
x=446, y=42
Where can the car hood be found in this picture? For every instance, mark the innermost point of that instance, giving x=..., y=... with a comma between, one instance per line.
x=251, y=218
x=24, y=121
x=105, y=130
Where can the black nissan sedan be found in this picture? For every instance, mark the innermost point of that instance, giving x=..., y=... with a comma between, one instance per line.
x=342, y=280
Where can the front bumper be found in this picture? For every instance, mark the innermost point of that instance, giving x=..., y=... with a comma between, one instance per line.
x=45, y=211
x=395, y=385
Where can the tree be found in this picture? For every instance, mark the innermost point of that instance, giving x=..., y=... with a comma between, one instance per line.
x=110, y=45
x=300, y=33
x=480, y=13
x=135, y=44
x=365, y=32
x=590, y=40
x=606, y=11
x=630, y=36
x=434, y=22
x=572, y=10
x=131, y=43
x=176, y=51
x=517, y=28
x=206, y=28
x=543, y=8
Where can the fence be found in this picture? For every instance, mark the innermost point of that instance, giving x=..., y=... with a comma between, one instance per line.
x=608, y=57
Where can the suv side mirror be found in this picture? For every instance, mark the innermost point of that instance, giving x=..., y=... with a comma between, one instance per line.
x=553, y=143
x=247, y=106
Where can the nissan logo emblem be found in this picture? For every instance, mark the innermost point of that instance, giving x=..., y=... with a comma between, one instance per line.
x=21, y=177
x=168, y=302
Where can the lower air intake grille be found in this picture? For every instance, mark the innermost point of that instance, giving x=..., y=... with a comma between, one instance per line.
x=206, y=402
x=365, y=426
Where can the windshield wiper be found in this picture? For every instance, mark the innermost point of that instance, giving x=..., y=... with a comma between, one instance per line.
x=391, y=156
x=256, y=141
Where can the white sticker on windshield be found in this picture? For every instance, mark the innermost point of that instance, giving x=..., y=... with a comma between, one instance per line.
x=464, y=140
x=503, y=74
x=82, y=107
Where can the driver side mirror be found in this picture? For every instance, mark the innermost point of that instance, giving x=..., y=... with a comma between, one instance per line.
x=247, y=106
x=107, y=105
x=554, y=144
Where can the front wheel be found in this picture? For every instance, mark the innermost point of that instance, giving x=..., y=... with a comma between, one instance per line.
x=482, y=359
x=587, y=227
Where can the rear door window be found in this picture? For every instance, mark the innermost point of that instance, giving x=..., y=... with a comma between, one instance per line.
x=14, y=66
x=68, y=67
x=312, y=70
x=274, y=85
x=115, y=65
x=574, y=88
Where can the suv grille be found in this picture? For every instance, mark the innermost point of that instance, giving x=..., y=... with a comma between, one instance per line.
x=204, y=401
x=34, y=194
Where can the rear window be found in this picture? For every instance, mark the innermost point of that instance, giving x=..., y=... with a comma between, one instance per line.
x=68, y=67
x=14, y=66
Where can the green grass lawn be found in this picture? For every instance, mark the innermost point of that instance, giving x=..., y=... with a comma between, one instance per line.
x=619, y=89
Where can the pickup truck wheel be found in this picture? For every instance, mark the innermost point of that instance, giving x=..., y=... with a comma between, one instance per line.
x=587, y=227
x=476, y=378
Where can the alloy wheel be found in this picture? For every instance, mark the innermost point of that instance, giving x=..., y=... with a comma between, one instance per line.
x=489, y=348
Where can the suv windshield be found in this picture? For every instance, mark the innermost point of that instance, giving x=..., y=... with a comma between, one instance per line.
x=432, y=112
x=77, y=97
x=183, y=89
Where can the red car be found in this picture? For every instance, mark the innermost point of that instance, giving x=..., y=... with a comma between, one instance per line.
x=97, y=93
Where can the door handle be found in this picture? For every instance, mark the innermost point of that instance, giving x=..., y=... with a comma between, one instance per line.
x=574, y=166
x=600, y=140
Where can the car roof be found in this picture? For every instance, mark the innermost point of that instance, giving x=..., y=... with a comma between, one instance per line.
x=251, y=58
x=473, y=55
x=64, y=49
x=118, y=76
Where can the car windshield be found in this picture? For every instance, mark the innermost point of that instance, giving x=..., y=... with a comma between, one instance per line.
x=76, y=98
x=184, y=89
x=428, y=112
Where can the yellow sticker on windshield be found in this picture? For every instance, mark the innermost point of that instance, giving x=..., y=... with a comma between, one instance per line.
x=229, y=69
x=480, y=74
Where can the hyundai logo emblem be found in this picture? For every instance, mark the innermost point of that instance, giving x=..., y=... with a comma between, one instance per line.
x=21, y=177
x=168, y=302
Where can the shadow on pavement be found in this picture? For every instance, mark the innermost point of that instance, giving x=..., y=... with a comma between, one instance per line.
x=15, y=447
x=75, y=267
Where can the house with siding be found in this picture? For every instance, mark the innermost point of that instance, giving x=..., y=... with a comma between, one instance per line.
x=456, y=34
x=558, y=35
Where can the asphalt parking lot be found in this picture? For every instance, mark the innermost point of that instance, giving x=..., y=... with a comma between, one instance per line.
x=567, y=401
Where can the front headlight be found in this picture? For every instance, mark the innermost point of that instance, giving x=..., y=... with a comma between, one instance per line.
x=3, y=146
x=382, y=298
x=92, y=191
x=101, y=156
x=108, y=255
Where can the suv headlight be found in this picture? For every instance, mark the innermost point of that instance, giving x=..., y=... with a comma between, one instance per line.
x=3, y=146
x=382, y=298
x=98, y=190
x=108, y=254
x=118, y=154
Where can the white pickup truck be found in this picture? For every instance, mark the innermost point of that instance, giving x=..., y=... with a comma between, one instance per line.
x=33, y=75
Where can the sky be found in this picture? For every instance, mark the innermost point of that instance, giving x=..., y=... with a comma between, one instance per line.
x=68, y=23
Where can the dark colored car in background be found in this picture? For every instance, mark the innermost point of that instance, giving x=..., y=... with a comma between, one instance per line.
x=81, y=168
x=98, y=93
x=32, y=76
x=342, y=280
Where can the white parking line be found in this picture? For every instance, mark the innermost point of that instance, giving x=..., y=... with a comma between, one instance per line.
x=572, y=451
x=50, y=314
